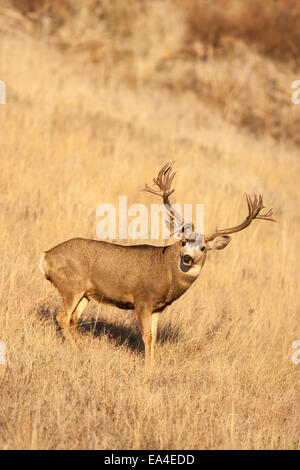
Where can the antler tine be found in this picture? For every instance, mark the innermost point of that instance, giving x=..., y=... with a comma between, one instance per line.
x=167, y=167
x=267, y=216
x=249, y=203
x=254, y=208
x=169, y=180
x=163, y=171
x=164, y=181
x=150, y=190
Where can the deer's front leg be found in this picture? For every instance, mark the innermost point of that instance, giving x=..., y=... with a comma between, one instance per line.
x=154, y=324
x=144, y=318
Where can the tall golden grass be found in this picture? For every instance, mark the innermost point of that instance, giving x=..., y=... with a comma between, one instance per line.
x=74, y=137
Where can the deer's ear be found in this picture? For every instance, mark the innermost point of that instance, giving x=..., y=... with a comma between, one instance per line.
x=220, y=243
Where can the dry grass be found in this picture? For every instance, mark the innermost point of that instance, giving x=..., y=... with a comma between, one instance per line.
x=272, y=28
x=240, y=57
x=223, y=376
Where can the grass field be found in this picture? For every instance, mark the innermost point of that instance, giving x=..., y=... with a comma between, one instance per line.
x=75, y=134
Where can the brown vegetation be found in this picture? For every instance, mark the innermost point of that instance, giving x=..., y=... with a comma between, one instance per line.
x=117, y=90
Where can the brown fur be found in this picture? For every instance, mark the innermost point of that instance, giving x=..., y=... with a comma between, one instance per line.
x=142, y=277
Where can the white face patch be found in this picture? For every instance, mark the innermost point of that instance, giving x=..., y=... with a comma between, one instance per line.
x=191, y=246
x=191, y=255
x=191, y=261
x=192, y=271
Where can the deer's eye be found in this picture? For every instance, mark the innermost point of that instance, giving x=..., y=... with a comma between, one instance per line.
x=203, y=248
x=187, y=259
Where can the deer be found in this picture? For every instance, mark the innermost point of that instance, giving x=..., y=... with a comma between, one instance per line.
x=144, y=278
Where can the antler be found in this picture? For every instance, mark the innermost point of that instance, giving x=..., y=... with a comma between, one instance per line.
x=164, y=181
x=254, y=208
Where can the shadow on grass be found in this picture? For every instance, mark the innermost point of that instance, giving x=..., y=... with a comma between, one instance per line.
x=47, y=314
x=168, y=333
x=128, y=336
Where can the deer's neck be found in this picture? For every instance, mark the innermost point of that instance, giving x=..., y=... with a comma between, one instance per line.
x=180, y=280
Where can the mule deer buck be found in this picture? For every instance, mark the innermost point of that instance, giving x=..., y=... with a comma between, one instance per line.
x=141, y=277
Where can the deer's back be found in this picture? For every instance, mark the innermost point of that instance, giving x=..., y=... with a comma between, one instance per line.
x=108, y=272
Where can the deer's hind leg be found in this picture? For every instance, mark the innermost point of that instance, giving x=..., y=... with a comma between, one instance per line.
x=77, y=313
x=72, y=306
